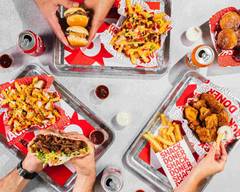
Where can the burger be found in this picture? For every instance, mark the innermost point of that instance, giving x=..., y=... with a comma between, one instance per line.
x=55, y=148
x=77, y=36
x=76, y=16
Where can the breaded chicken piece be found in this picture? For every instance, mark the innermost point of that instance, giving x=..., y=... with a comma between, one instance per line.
x=211, y=121
x=198, y=104
x=204, y=134
x=204, y=112
x=223, y=118
x=215, y=106
x=190, y=113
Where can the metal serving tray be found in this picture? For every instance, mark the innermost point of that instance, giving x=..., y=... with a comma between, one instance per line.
x=131, y=158
x=61, y=67
x=80, y=108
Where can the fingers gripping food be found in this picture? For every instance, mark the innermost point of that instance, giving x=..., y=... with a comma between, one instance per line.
x=77, y=20
x=30, y=105
x=76, y=16
x=140, y=34
x=205, y=115
x=77, y=36
x=224, y=134
x=169, y=134
x=55, y=148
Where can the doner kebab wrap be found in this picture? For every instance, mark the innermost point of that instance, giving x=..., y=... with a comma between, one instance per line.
x=55, y=148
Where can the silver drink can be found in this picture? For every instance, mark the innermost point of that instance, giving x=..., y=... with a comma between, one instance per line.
x=112, y=180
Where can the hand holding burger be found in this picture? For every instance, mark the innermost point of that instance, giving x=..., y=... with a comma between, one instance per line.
x=49, y=9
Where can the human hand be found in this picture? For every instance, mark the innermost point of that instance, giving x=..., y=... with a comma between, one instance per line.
x=85, y=166
x=213, y=163
x=32, y=164
x=101, y=9
x=49, y=9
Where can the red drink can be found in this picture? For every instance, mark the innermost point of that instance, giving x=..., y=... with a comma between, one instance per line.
x=31, y=43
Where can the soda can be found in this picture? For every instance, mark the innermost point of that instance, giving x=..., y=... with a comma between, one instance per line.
x=31, y=43
x=112, y=180
x=201, y=56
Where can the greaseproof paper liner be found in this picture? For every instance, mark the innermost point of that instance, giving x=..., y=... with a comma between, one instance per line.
x=177, y=162
x=120, y=59
x=224, y=56
x=5, y=129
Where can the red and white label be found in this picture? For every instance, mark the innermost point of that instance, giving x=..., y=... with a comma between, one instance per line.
x=177, y=161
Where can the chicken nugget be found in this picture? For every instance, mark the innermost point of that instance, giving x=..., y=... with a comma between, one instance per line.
x=204, y=134
x=200, y=103
x=204, y=112
x=190, y=113
x=211, y=101
x=223, y=118
x=211, y=121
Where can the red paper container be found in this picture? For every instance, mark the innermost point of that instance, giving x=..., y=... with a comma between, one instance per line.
x=225, y=57
x=5, y=130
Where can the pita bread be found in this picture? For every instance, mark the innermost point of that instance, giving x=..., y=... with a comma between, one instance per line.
x=54, y=158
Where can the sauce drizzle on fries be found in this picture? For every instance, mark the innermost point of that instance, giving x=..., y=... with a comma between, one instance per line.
x=140, y=35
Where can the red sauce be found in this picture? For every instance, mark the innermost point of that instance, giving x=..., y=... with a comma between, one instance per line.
x=5, y=61
x=97, y=137
x=102, y=92
x=140, y=190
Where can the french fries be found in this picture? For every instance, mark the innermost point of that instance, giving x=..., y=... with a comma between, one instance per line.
x=30, y=105
x=169, y=134
x=140, y=34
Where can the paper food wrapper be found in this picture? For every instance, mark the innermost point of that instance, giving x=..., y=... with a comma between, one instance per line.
x=5, y=129
x=177, y=162
x=101, y=53
x=225, y=57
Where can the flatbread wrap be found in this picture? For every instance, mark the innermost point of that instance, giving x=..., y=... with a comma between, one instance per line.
x=55, y=148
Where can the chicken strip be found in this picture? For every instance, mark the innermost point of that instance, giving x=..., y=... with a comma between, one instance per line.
x=215, y=106
x=211, y=121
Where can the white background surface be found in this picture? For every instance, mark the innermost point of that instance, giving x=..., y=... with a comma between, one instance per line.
x=138, y=97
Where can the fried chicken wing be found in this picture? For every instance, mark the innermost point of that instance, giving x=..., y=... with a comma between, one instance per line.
x=204, y=112
x=204, y=134
x=211, y=121
x=223, y=118
x=198, y=104
x=215, y=106
x=190, y=113
x=205, y=115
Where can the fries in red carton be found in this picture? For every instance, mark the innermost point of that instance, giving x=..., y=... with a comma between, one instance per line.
x=177, y=162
